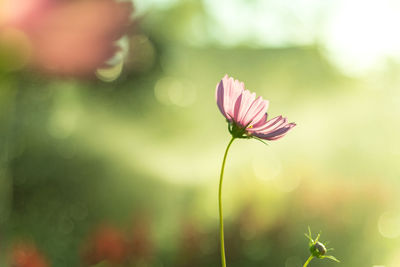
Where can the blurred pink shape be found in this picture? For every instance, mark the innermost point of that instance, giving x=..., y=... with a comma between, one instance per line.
x=27, y=255
x=22, y=14
x=246, y=114
x=69, y=37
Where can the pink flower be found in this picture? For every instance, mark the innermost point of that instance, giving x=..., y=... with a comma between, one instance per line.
x=246, y=114
x=68, y=37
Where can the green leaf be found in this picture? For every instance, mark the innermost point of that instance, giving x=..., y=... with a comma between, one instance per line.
x=330, y=257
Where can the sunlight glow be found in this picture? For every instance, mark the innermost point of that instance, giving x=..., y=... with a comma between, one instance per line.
x=356, y=35
x=361, y=34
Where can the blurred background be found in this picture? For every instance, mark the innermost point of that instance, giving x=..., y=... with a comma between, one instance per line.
x=111, y=141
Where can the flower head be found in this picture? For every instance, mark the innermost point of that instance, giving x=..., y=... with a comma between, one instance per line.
x=247, y=115
x=318, y=249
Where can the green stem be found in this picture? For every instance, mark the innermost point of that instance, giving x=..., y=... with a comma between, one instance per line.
x=308, y=261
x=221, y=219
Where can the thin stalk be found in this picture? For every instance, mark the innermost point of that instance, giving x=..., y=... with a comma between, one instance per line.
x=308, y=261
x=221, y=217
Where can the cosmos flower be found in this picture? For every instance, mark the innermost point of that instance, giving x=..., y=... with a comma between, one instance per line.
x=247, y=118
x=246, y=114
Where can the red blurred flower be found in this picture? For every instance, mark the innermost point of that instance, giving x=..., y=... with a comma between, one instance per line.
x=190, y=245
x=142, y=247
x=106, y=244
x=27, y=255
x=69, y=37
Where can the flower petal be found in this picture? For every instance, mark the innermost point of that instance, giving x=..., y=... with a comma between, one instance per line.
x=261, y=121
x=277, y=134
x=256, y=111
x=232, y=90
x=268, y=124
x=227, y=92
x=219, y=95
x=242, y=106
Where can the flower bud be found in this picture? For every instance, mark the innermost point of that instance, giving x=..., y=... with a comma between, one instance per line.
x=318, y=249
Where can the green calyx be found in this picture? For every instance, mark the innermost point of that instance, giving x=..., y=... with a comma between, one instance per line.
x=238, y=131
